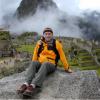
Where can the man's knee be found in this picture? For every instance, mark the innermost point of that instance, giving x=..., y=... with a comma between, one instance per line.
x=45, y=65
x=49, y=67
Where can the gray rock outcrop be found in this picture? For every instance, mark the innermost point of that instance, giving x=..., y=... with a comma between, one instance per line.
x=58, y=86
x=29, y=7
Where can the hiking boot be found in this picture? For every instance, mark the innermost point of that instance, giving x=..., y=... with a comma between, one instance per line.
x=22, y=88
x=30, y=91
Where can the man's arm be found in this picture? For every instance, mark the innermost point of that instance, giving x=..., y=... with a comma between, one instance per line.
x=62, y=57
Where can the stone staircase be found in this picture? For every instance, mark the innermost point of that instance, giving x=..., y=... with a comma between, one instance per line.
x=85, y=59
x=97, y=52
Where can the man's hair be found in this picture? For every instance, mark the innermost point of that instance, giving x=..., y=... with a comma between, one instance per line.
x=48, y=30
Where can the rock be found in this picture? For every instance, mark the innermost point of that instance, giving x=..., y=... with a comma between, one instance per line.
x=29, y=7
x=57, y=86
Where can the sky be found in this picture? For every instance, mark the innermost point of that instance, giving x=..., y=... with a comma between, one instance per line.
x=7, y=7
x=69, y=6
x=89, y=4
x=74, y=7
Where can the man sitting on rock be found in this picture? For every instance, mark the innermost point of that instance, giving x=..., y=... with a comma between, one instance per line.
x=46, y=55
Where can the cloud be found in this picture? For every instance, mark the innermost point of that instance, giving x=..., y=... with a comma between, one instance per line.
x=8, y=7
x=61, y=23
x=69, y=6
x=89, y=4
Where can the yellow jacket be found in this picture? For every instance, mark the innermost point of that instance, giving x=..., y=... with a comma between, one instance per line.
x=45, y=54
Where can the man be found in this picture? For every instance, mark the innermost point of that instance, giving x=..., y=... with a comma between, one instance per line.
x=43, y=62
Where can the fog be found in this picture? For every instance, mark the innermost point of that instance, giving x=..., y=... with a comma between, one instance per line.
x=69, y=6
x=7, y=8
x=63, y=23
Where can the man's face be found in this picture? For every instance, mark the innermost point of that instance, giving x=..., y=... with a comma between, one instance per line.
x=48, y=36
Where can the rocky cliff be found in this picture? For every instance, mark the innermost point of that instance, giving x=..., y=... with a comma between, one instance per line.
x=29, y=7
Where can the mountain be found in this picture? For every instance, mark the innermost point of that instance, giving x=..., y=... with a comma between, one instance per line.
x=29, y=7
x=87, y=26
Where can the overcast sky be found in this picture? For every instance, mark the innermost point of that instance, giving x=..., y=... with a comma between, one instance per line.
x=76, y=6
x=89, y=4
x=69, y=6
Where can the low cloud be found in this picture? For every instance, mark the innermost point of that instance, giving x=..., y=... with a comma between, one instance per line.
x=7, y=8
x=62, y=23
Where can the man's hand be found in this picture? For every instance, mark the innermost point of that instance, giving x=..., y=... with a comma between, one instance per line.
x=69, y=71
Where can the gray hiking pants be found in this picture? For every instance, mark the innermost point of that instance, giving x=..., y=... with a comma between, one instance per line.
x=37, y=72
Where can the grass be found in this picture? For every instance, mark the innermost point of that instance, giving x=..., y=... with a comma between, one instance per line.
x=18, y=68
x=97, y=68
x=88, y=68
x=86, y=56
x=87, y=61
x=3, y=58
x=98, y=49
x=28, y=48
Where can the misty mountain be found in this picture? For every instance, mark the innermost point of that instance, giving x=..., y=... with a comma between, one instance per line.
x=38, y=14
x=29, y=7
x=90, y=25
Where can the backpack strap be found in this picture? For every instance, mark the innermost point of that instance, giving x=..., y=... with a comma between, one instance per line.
x=56, y=51
x=40, y=49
